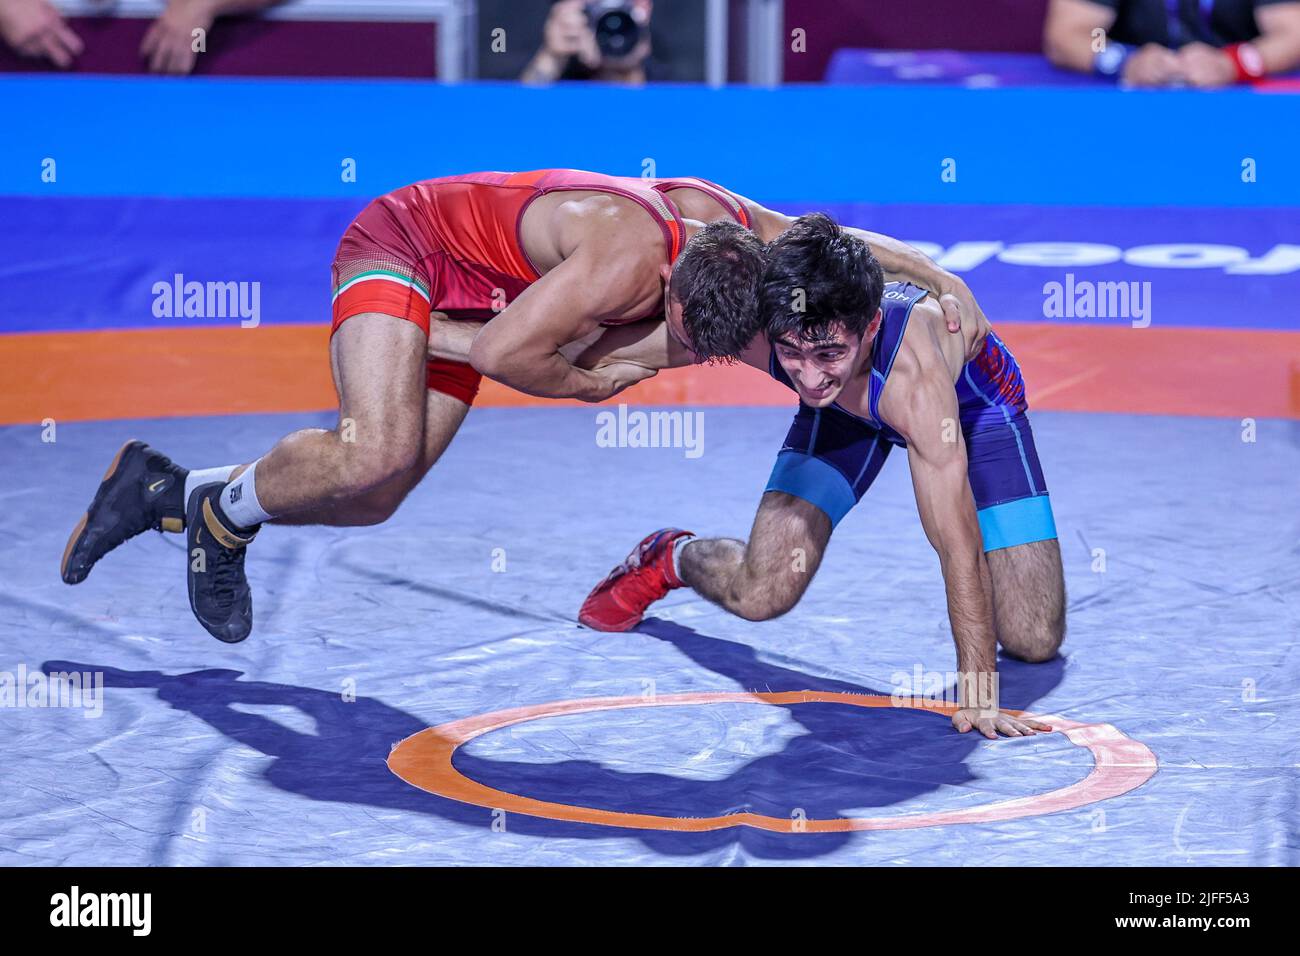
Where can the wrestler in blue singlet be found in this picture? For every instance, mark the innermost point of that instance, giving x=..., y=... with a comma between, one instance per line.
x=831, y=456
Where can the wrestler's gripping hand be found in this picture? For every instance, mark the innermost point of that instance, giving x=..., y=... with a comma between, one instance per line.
x=616, y=376
x=992, y=724
x=963, y=314
x=626, y=354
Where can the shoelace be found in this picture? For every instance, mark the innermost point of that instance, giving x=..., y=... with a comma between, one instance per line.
x=227, y=570
x=642, y=582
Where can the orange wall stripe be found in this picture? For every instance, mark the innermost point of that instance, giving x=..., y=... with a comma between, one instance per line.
x=139, y=373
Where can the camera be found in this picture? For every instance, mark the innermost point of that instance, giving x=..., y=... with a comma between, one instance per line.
x=617, y=30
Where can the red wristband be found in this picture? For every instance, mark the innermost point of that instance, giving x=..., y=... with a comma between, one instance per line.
x=1247, y=61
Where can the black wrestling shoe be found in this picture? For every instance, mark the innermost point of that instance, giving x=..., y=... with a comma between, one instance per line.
x=219, y=594
x=141, y=490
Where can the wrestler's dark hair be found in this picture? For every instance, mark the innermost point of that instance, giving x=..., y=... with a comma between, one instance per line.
x=716, y=280
x=818, y=277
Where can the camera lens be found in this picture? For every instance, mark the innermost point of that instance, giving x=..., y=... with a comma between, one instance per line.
x=616, y=33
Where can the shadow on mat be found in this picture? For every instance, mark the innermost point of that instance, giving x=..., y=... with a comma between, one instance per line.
x=849, y=760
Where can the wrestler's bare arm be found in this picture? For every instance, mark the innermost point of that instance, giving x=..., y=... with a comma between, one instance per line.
x=920, y=403
x=904, y=263
x=609, y=273
x=645, y=343
x=901, y=262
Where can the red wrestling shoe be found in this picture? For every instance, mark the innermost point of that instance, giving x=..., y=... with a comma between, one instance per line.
x=619, y=602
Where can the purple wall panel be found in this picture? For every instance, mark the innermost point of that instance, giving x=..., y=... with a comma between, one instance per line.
x=1003, y=25
x=249, y=46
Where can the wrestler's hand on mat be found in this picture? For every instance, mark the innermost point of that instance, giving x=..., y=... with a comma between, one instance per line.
x=963, y=314
x=35, y=29
x=990, y=725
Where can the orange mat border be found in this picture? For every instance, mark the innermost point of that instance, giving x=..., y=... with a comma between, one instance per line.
x=167, y=372
x=425, y=760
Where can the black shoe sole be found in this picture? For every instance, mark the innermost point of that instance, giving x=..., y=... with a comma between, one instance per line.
x=79, y=532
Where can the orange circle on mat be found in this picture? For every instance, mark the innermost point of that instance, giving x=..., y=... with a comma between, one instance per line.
x=424, y=760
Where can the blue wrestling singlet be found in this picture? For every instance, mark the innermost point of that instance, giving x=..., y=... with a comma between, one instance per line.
x=831, y=456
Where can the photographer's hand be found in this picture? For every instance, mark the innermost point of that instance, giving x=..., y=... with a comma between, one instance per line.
x=566, y=34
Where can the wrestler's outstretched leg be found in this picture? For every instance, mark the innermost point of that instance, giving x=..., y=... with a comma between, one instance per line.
x=443, y=416
x=379, y=362
x=373, y=457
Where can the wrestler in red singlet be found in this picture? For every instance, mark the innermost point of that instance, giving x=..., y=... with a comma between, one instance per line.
x=452, y=245
x=454, y=248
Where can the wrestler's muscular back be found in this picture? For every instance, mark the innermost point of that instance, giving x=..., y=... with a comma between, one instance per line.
x=615, y=238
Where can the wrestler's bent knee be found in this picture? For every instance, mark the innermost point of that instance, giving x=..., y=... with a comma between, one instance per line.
x=763, y=600
x=1035, y=644
x=369, y=464
x=373, y=513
